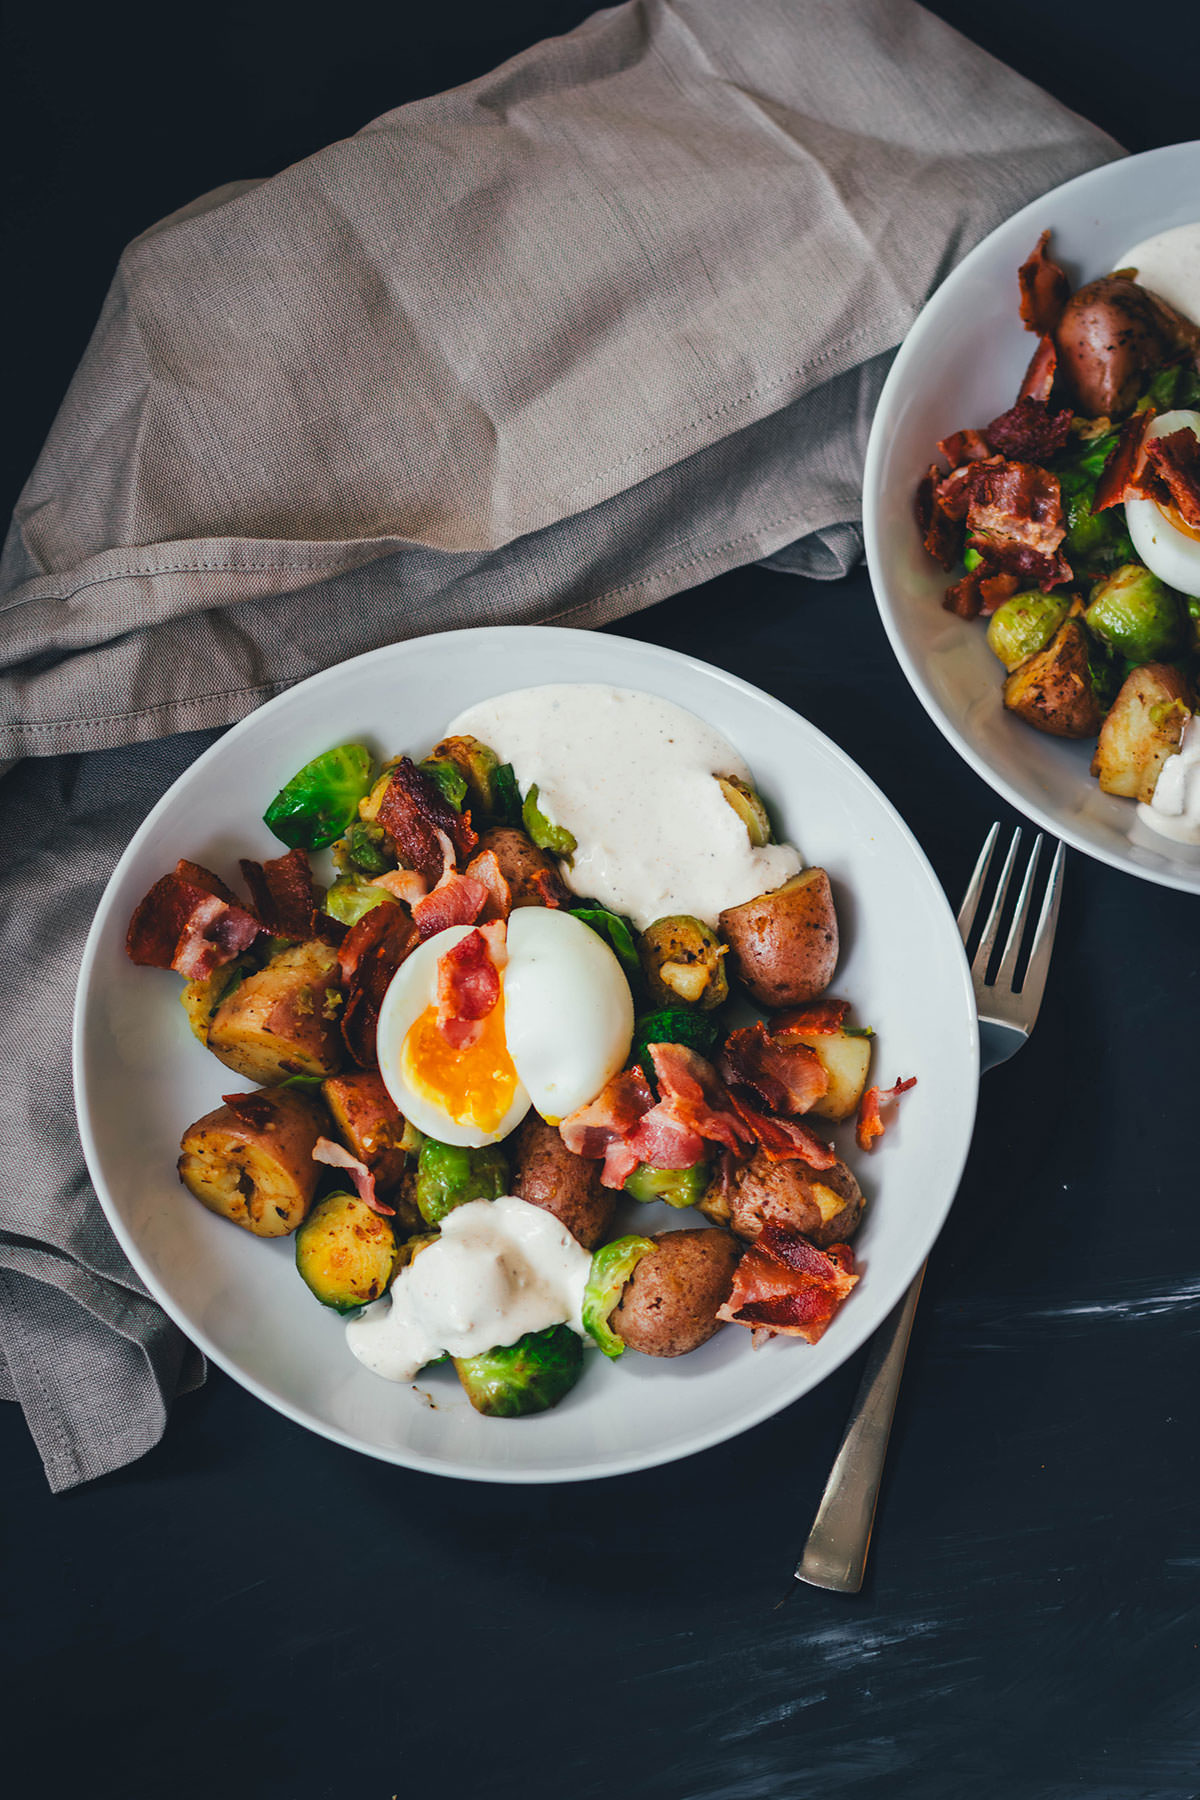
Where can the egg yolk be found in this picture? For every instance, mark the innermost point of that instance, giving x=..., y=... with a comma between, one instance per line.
x=474, y=1085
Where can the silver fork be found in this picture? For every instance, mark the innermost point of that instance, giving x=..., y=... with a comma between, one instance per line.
x=835, y=1555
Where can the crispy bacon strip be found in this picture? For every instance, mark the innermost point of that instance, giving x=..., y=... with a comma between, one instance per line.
x=456, y=900
x=468, y=988
x=870, y=1123
x=964, y=447
x=610, y=1117
x=697, y=1096
x=190, y=922
x=785, y=1284
x=963, y=597
x=283, y=894
x=1125, y=464
x=1030, y=431
x=402, y=884
x=782, y=1139
x=1175, y=459
x=337, y=1157
x=253, y=1109
x=485, y=869
x=1015, y=519
x=369, y=956
x=1038, y=380
x=994, y=590
x=787, y=1077
x=819, y=1017
x=413, y=813
x=1045, y=290
x=937, y=518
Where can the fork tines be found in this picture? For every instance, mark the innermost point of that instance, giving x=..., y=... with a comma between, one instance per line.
x=1004, y=979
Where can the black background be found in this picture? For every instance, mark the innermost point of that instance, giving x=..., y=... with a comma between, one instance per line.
x=253, y=1611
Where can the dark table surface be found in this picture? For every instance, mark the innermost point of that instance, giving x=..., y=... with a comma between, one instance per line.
x=253, y=1611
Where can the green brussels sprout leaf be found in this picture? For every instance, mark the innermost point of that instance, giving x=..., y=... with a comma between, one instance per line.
x=529, y=1376
x=749, y=808
x=555, y=838
x=506, y=796
x=678, y=1187
x=618, y=935
x=365, y=848
x=612, y=1265
x=450, y=1175
x=350, y=897
x=448, y=779
x=320, y=802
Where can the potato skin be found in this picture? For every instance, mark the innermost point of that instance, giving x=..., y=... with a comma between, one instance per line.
x=547, y=1174
x=521, y=862
x=1053, y=691
x=369, y=1123
x=784, y=945
x=256, y=1170
x=1112, y=332
x=282, y=1021
x=792, y=1194
x=1133, y=743
x=670, y=1302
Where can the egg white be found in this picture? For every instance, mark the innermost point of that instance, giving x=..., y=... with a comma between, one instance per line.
x=1166, y=551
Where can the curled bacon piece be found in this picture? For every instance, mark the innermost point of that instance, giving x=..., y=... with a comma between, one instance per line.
x=964, y=447
x=414, y=813
x=1038, y=381
x=610, y=1117
x=785, y=1284
x=938, y=516
x=456, y=900
x=402, y=884
x=870, y=1123
x=369, y=956
x=697, y=1097
x=1175, y=460
x=190, y=922
x=255, y=1109
x=468, y=986
x=326, y=1151
x=283, y=894
x=818, y=1018
x=788, y=1077
x=1030, y=431
x=1015, y=519
x=485, y=869
x=1125, y=464
x=1045, y=290
x=783, y=1139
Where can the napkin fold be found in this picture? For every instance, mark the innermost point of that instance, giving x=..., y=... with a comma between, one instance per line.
x=552, y=346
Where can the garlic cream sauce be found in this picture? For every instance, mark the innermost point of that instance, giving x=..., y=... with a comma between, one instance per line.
x=498, y=1269
x=632, y=776
x=1169, y=265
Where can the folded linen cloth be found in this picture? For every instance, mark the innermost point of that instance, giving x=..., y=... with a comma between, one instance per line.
x=551, y=346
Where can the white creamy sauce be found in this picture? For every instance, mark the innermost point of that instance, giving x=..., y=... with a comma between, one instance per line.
x=632, y=777
x=1169, y=265
x=499, y=1268
x=1175, y=808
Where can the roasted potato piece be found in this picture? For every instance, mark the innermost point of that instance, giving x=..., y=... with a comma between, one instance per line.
x=1142, y=729
x=370, y=1124
x=532, y=874
x=783, y=946
x=251, y=1160
x=1112, y=333
x=283, y=1020
x=683, y=959
x=1053, y=691
x=845, y=1057
x=200, y=999
x=547, y=1174
x=669, y=1304
x=825, y=1205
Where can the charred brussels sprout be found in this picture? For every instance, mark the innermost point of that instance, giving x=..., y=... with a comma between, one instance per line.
x=529, y=1376
x=467, y=767
x=612, y=1265
x=320, y=802
x=555, y=838
x=678, y=1187
x=507, y=796
x=1023, y=625
x=449, y=1175
x=672, y=1025
x=683, y=959
x=1136, y=615
x=346, y=1253
x=351, y=896
x=617, y=934
x=365, y=849
x=748, y=807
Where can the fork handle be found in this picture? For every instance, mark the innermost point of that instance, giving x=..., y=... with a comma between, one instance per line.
x=835, y=1555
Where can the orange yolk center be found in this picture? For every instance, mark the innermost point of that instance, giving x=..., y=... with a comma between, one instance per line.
x=474, y=1085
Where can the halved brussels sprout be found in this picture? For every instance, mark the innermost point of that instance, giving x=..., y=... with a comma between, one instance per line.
x=555, y=838
x=1024, y=624
x=448, y=779
x=475, y=766
x=365, y=849
x=683, y=959
x=346, y=1253
x=671, y=1025
x=351, y=896
x=612, y=1265
x=1136, y=615
x=319, y=802
x=449, y=1175
x=678, y=1187
x=748, y=807
x=529, y=1376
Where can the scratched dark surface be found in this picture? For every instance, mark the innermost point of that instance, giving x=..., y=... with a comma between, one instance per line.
x=253, y=1611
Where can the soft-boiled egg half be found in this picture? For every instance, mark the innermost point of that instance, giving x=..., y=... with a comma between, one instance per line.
x=560, y=1030
x=1167, y=546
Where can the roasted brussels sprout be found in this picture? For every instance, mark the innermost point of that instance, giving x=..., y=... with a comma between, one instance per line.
x=506, y=796
x=555, y=838
x=475, y=766
x=321, y=800
x=1095, y=542
x=365, y=849
x=529, y=1376
x=678, y=1187
x=448, y=779
x=672, y=1025
x=683, y=959
x=449, y=1175
x=346, y=1252
x=351, y=896
x=618, y=935
x=1024, y=624
x=748, y=807
x=612, y=1265
x=1136, y=615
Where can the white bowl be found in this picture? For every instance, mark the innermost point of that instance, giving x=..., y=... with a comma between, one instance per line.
x=961, y=364
x=141, y=1078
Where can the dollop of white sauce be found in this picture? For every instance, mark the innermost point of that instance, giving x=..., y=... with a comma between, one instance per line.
x=499, y=1269
x=1174, y=809
x=632, y=777
x=1169, y=265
